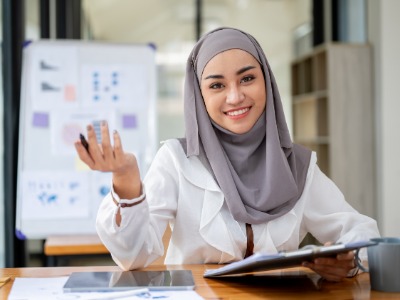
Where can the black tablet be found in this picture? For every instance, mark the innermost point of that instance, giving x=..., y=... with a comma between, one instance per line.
x=129, y=280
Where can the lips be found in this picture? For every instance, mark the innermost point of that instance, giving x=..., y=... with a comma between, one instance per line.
x=238, y=112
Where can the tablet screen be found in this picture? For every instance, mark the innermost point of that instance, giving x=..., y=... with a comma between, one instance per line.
x=128, y=280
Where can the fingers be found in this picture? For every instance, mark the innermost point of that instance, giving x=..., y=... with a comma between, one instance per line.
x=333, y=269
x=94, y=150
x=348, y=256
x=105, y=157
x=118, y=151
x=85, y=151
x=107, y=150
x=99, y=157
x=329, y=272
x=83, y=154
x=113, y=156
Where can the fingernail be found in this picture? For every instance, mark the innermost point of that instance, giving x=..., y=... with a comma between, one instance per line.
x=104, y=123
x=115, y=131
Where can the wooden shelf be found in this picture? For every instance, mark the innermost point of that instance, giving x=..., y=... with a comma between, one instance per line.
x=310, y=96
x=74, y=245
x=310, y=118
x=333, y=113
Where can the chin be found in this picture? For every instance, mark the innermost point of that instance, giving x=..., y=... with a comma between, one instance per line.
x=239, y=130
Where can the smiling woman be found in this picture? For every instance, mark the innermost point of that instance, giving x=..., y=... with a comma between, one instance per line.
x=235, y=184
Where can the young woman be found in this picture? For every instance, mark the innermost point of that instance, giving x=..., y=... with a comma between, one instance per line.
x=235, y=185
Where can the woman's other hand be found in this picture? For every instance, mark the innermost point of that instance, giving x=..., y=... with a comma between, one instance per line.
x=333, y=268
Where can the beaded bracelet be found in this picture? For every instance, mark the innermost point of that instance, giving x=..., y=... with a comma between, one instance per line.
x=132, y=202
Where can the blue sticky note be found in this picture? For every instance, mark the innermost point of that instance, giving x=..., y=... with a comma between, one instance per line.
x=40, y=119
x=129, y=121
x=104, y=190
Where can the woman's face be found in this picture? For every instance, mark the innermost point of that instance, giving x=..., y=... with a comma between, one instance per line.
x=233, y=89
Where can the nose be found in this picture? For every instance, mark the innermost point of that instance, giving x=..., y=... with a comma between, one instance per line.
x=235, y=95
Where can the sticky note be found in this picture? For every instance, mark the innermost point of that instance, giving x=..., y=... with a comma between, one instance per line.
x=69, y=93
x=129, y=121
x=104, y=190
x=40, y=119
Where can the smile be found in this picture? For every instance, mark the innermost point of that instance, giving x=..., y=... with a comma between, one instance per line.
x=238, y=112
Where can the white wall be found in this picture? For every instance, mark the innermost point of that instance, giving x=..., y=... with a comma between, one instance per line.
x=384, y=24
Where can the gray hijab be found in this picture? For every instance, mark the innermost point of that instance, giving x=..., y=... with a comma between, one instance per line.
x=261, y=172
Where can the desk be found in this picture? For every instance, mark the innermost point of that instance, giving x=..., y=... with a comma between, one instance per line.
x=278, y=287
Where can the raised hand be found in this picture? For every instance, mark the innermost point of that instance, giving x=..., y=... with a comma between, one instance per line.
x=106, y=157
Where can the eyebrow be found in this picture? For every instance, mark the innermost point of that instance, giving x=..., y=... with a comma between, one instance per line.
x=242, y=70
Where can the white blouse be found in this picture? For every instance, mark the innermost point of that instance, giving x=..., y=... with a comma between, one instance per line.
x=181, y=193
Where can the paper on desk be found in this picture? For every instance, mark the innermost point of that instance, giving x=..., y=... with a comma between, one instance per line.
x=52, y=288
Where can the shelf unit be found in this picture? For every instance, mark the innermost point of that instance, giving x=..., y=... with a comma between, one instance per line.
x=333, y=115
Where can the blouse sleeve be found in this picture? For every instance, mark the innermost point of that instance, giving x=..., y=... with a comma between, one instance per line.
x=329, y=217
x=138, y=240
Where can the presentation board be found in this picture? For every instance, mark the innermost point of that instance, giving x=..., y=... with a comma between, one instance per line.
x=65, y=86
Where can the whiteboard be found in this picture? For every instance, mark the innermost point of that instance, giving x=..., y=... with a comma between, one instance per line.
x=65, y=86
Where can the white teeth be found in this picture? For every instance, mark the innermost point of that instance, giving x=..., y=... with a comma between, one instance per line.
x=238, y=112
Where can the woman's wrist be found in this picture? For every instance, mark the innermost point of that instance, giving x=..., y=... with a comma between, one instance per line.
x=123, y=202
x=127, y=184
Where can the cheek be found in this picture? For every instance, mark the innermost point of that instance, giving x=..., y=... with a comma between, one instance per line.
x=209, y=100
x=206, y=100
x=210, y=107
x=264, y=101
x=260, y=96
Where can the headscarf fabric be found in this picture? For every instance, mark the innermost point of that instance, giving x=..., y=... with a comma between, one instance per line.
x=261, y=172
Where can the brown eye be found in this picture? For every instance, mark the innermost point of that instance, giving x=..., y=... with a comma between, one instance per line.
x=216, y=86
x=247, y=79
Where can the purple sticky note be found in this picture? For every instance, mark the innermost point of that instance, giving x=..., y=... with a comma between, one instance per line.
x=129, y=121
x=40, y=119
